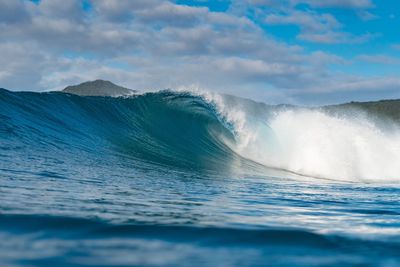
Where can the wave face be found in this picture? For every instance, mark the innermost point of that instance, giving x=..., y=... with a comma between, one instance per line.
x=203, y=131
x=167, y=128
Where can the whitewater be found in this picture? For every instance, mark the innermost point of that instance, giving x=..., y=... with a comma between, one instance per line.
x=168, y=177
x=345, y=145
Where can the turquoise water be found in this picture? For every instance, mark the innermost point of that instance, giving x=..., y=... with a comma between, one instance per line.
x=165, y=179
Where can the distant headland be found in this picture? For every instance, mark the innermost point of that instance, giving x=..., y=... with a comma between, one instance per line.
x=98, y=88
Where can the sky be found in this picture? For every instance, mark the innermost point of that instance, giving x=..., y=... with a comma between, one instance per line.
x=306, y=52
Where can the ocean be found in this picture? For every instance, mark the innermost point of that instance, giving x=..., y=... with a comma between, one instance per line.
x=176, y=178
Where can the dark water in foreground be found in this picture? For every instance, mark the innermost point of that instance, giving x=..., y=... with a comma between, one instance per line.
x=153, y=180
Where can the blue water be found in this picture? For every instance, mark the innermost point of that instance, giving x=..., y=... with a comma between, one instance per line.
x=153, y=180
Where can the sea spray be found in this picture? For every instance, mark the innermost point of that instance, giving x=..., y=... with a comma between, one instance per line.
x=346, y=145
x=313, y=143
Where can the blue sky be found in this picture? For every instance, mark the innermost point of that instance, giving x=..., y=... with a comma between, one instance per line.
x=293, y=51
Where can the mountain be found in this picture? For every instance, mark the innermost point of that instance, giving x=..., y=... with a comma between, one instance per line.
x=98, y=88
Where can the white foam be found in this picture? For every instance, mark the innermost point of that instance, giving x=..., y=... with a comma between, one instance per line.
x=313, y=143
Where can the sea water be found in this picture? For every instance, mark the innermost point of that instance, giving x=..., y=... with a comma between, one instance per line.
x=194, y=179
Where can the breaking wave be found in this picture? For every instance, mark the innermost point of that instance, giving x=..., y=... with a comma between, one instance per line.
x=207, y=131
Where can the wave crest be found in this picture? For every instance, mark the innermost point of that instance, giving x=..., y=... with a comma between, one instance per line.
x=207, y=131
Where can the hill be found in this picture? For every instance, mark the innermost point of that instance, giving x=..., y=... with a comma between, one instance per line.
x=98, y=88
x=387, y=108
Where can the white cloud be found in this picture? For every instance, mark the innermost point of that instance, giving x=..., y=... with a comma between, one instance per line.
x=152, y=44
x=357, y=4
x=366, y=15
x=396, y=46
x=173, y=15
x=332, y=37
x=309, y=21
x=379, y=59
x=316, y=27
x=353, y=4
x=349, y=83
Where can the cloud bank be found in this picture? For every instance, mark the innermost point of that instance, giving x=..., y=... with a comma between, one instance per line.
x=154, y=44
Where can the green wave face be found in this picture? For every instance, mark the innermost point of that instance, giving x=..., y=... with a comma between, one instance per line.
x=166, y=128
